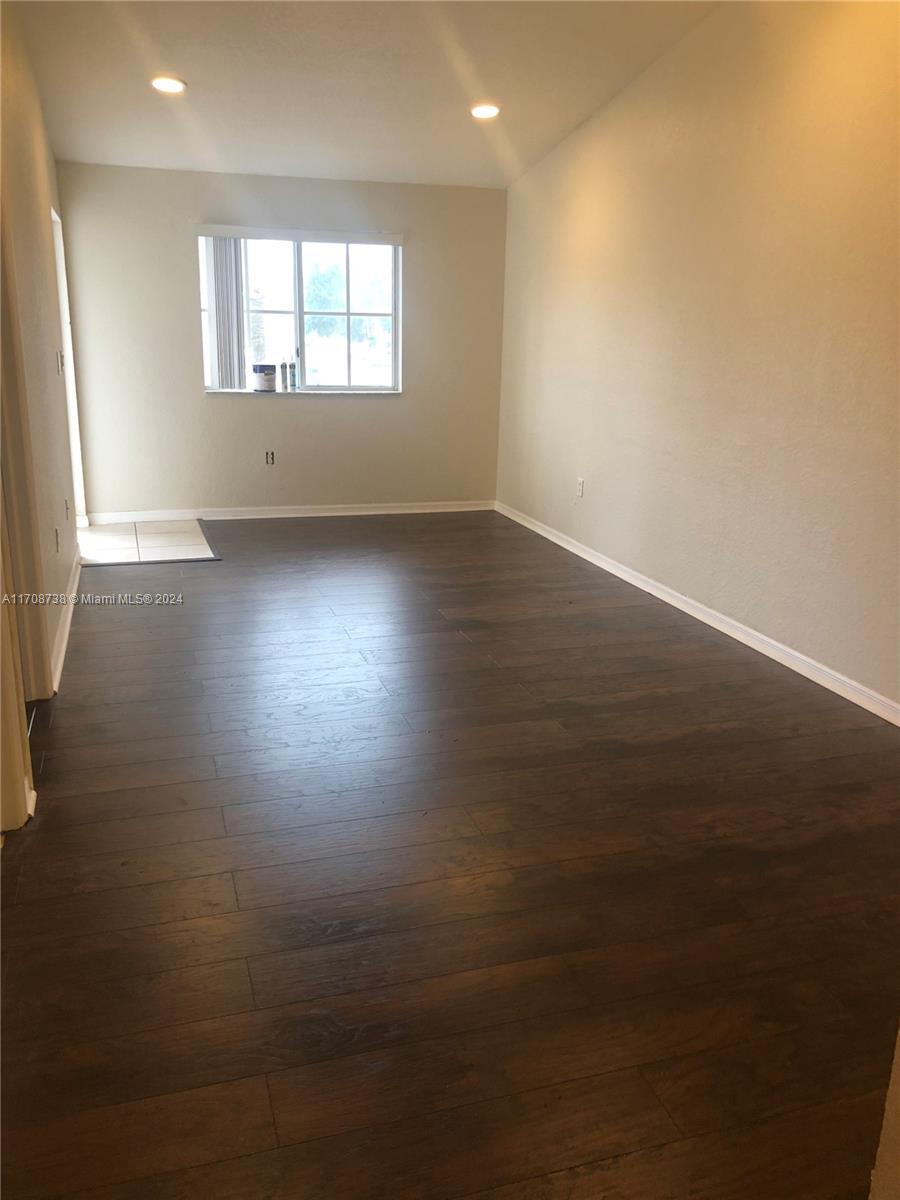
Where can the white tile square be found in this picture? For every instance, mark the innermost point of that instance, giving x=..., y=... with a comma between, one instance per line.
x=190, y=526
x=176, y=553
x=91, y=538
x=173, y=538
x=108, y=543
x=111, y=554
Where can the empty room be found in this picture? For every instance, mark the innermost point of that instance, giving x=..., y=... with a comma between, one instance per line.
x=451, y=600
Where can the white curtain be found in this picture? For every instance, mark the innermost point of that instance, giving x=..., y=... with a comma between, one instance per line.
x=228, y=301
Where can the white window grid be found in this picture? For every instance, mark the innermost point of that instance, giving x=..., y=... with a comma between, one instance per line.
x=299, y=313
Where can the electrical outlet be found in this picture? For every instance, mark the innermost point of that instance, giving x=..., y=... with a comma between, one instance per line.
x=270, y=458
x=579, y=487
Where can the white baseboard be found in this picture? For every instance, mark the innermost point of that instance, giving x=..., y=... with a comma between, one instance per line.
x=294, y=510
x=61, y=641
x=865, y=697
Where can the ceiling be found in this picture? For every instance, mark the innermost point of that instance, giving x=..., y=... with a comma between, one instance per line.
x=339, y=90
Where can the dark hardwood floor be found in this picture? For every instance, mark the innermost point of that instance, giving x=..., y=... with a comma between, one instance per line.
x=413, y=858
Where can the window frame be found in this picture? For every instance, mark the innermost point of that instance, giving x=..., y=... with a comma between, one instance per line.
x=212, y=332
x=297, y=238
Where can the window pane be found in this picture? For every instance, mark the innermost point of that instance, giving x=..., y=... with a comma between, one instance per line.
x=371, y=279
x=270, y=339
x=270, y=274
x=370, y=351
x=204, y=278
x=324, y=277
x=326, y=351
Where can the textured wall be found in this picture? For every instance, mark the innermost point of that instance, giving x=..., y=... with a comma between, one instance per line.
x=886, y=1176
x=701, y=320
x=152, y=438
x=29, y=192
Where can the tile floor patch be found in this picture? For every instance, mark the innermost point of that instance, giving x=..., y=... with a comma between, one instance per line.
x=143, y=541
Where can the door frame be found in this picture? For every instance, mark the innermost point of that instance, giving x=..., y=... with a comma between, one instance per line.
x=66, y=367
x=19, y=492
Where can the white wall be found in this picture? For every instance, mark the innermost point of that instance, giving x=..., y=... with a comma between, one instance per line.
x=701, y=320
x=29, y=192
x=886, y=1176
x=154, y=440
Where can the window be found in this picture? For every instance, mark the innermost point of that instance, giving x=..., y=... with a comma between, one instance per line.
x=330, y=307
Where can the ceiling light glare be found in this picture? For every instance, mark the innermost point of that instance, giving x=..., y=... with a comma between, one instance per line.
x=169, y=85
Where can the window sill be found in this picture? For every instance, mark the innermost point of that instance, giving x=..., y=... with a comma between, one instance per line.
x=305, y=392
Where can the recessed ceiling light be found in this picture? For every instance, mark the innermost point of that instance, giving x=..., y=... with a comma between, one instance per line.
x=485, y=112
x=169, y=84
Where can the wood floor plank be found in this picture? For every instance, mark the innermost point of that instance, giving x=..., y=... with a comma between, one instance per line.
x=406, y=745
x=468, y=698
x=50, y=876
x=348, y=665
x=52, y=1081
x=80, y=808
x=716, y=953
x=350, y=806
x=365, y=1090
x=386, y=868
x=696, y=755
x=243, y=741
x=601, y=758
x=110, y=725
x=286, y=789
x=799, y=852
x=623, y=911
x=77, y=1009
x=417, y=954
x=216, y=714
x=119, y=908
x=332, y=697
x=710, y=1090
x=491, y=1142
x=820, y=1153
x=128, y=833
x=703, y=810
x=607, y=707
x=143, y=774
x=139, y=1139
